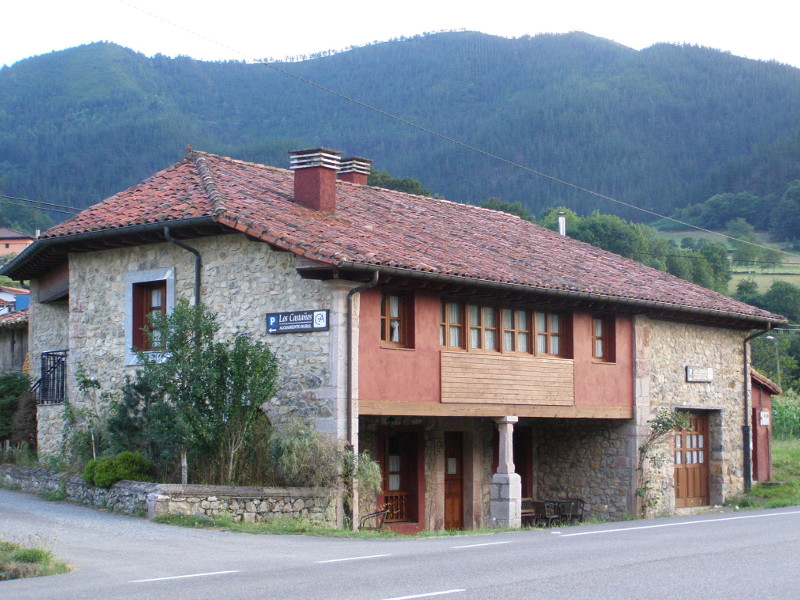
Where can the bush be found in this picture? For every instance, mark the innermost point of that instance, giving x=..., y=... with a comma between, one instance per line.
x=12, y=386
x=106, y=471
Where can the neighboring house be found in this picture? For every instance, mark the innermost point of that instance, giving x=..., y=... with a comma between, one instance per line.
x=480, y=358
x=13, y=340
x=12, y=298
x=13, y=241
x=763, y=391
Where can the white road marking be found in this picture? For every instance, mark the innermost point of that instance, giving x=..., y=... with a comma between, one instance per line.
x=680, y=524
x=184, y=576
x=478, y=545
x=335, y=560
x=428, y=595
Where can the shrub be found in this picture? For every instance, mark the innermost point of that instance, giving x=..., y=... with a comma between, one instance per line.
x=133, y=466
x=12, y=386
x=106, y=471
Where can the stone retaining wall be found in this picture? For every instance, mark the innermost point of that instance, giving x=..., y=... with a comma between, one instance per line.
x=248, y=504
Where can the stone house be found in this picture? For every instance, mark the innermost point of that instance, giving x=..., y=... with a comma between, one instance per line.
x=480, y=358
x=13, y=340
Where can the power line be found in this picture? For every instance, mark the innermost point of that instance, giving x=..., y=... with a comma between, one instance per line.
x=442, y=136
x=64, y=206
x=26, y=203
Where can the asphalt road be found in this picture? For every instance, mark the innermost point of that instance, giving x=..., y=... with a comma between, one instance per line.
x=754, y=554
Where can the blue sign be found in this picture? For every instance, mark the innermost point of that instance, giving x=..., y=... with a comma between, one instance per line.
x=299, y=321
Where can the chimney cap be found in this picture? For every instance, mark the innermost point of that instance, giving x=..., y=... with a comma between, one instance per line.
x=355, y=164
x=314, y=157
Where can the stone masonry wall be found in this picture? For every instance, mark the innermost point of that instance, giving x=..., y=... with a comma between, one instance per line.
x=48, y=331
x=663, y=351
x=242, y=281
x=248, y=504
x=592, y=460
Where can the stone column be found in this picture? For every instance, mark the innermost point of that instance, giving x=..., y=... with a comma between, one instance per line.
x=506, y=492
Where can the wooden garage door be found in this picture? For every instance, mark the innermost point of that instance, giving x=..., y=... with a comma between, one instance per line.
x=691, y=462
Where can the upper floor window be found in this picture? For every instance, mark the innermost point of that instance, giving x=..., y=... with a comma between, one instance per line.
x=395, y=319
x=548, y=334
x=147, y=293
x=603, y=339
x=451, y=328
x=149, y=301
x=475, y=327
x=482, y=327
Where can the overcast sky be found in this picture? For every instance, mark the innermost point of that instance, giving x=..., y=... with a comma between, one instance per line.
x=233, y=29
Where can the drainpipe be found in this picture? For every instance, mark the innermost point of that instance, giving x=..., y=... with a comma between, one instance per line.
x=198, y=263
x=746, y=429
x=350, y=376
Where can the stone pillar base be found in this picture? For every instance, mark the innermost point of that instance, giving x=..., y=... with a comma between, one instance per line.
x=506, y=500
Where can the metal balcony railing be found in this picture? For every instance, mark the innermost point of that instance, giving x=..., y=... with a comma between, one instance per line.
x=51, y=388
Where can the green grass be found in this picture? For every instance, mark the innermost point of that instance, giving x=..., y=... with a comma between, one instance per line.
x=785, y=471
x=18, y=561
x=280, y=526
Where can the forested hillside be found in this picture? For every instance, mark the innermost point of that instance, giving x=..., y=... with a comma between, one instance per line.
x=663, y=128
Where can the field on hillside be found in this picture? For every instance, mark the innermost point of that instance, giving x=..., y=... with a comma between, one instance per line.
x=789, y=271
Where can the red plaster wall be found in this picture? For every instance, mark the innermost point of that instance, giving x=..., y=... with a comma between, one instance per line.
x=602, y=383
x=397, y=375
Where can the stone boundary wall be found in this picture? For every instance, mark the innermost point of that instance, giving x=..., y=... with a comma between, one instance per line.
x=248, y=504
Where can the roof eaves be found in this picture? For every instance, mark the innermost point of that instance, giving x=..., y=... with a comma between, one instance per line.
x=24, y=258
x=764, y=321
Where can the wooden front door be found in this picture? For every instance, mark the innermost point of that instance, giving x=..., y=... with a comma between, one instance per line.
x=691, y=462
x=453, y=480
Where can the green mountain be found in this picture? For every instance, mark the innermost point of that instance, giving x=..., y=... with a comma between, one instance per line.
x=660, y=128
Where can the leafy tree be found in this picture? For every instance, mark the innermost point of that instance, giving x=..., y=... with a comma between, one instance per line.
x=200, y=395
x=409, y=185
x=783, y=298
x=514, y=208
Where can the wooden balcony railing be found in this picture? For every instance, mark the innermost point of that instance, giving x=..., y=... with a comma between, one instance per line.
x=397, y=503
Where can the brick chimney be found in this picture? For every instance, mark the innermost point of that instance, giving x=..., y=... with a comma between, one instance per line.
x=315, y=177
x=355, y=170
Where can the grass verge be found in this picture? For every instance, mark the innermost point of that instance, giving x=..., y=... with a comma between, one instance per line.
x=299, y=526
x=786, y=472
x=18, y=561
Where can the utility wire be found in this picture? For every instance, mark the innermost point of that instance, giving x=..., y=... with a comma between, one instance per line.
x=457, y=142
x=26, y=203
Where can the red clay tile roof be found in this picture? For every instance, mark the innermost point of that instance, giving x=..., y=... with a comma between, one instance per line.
x=764, y=382
x=13, y=234
x=13, y=290
x=389, y=229
x=17, y=319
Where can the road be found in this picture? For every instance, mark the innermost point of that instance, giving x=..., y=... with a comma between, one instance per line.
x=754, y=554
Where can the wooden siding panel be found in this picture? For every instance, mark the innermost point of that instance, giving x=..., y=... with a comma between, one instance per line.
x=478, y=378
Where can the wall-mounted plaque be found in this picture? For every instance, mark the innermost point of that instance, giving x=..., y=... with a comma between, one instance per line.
x=699, y=374
x=298, y=321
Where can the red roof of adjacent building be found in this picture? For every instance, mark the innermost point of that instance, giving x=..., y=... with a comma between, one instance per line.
x=384, y=229
x=17, y=319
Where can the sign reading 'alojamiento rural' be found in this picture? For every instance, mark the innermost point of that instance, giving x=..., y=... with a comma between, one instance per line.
x=298, y=321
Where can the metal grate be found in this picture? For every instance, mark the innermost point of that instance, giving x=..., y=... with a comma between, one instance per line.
x=52, y=385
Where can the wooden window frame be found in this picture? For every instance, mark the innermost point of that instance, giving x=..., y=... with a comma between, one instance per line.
x=404, y=318
x=467, y=326
x=607, y=338
x=134, y=310
x=143, y=309
x=481, y=328
x=515, y=330
x=549, y=335
x=445, y=325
